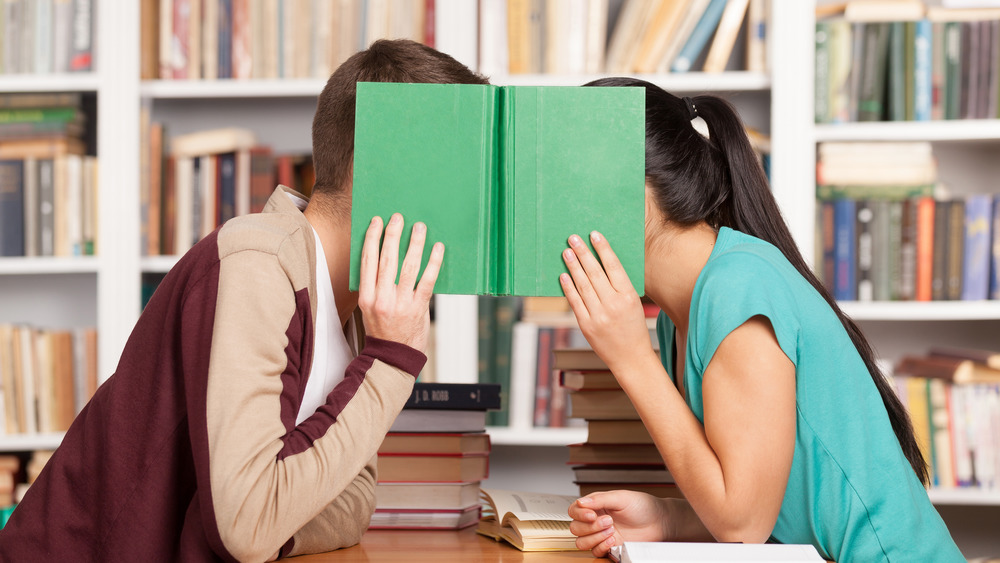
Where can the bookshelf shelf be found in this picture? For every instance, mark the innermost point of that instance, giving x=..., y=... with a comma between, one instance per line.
x=81, y=82
x=969, y=497
x=505, y=436
x=158, y=264
x=47, y=265
x=953, y=130
x=27, y=442
x=200, y=89
x=922, y=311
x=676, y=82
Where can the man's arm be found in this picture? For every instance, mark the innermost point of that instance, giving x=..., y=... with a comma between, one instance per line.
x=268, y=477
x=342, y=522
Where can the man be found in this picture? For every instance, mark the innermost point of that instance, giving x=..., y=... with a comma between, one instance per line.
x=244, y=417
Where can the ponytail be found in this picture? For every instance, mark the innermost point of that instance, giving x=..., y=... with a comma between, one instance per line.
x=720, y=181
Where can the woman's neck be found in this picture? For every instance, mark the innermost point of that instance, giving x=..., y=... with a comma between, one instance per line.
x=675, y=257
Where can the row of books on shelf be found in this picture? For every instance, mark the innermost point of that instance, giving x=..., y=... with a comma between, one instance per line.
x=953, y=398
x=48, y=184
x=913, y=249
x=193, y=183
x=47, y=36
x=436, y=454
x=270, y=39
x=902, y=61
x=46, y=377
x=646, y=36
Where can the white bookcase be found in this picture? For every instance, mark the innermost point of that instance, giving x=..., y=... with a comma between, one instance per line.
x=105, y=290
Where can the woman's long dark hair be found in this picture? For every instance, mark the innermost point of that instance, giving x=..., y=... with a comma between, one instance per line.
x=719, y=180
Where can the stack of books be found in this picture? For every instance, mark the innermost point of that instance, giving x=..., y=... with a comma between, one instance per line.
x=619, y=452
x=951, y=395
x=434, y=457
x=48, y=183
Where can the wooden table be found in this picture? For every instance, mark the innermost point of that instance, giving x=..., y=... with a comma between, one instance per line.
x=432, y=545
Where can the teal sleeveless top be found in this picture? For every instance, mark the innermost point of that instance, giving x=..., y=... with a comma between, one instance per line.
x=851, y=492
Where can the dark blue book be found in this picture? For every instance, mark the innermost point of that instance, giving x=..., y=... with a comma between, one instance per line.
x=700, y=36
x=995, y=253
x=225, y=39
x=11, y=208
x=976, y=262
x=454, y=396
x=845, y=287
x=227, y=187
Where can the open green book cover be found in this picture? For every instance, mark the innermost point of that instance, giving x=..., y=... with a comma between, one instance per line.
x=502, y=175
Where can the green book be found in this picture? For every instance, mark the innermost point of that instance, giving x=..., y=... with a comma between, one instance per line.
x=502, y=175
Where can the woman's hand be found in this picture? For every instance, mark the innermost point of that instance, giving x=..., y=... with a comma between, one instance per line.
x=605, y=519
x=606, y=305
x=398, y=312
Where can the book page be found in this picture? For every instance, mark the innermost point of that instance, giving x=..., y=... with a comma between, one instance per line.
x=529, y=506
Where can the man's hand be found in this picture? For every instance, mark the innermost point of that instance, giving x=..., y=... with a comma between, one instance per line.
x=398, y=312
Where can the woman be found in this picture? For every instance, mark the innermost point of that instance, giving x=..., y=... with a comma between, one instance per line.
x=765, y=401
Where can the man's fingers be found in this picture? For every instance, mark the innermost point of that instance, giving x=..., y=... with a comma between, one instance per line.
x=369, y=259
x=425, y=288
x=612, y=266
x=389, y=258
x=414, y=254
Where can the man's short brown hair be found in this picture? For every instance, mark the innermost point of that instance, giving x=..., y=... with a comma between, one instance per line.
x=399, y=60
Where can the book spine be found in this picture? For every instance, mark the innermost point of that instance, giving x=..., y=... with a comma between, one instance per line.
x=970, y=70
x=956, y=249
x=863, y=253
x=486, y=348
x=939, y=261
x=227, y=187
x=894, y=248
x=828, y=258
x=699, y=37
x=881, y=241
x=543, y=372
x=995, y=250
x=952, y=70
x=872, y=83
x=31, y=201
x=923, y=86
x=46, y=207
x=11, y=208
x=81, y=59
x=822, y=73
x=906, y=284
x=910, y=62
x=897, y=67
x=845, y=283
x=506, y=316
x=937, y=70
x=924, y=229
x=454, y=396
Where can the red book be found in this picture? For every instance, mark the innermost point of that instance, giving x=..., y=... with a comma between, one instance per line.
x=925, y=248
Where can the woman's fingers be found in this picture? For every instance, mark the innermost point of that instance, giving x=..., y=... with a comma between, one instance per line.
x=594, y=270
x=581, y=280
x=612, y=266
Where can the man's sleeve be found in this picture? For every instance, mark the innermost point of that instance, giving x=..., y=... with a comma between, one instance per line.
x=268, y=477
x=342, y=522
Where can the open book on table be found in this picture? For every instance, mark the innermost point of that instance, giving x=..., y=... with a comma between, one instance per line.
x=528, y=521
x=502, y=175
